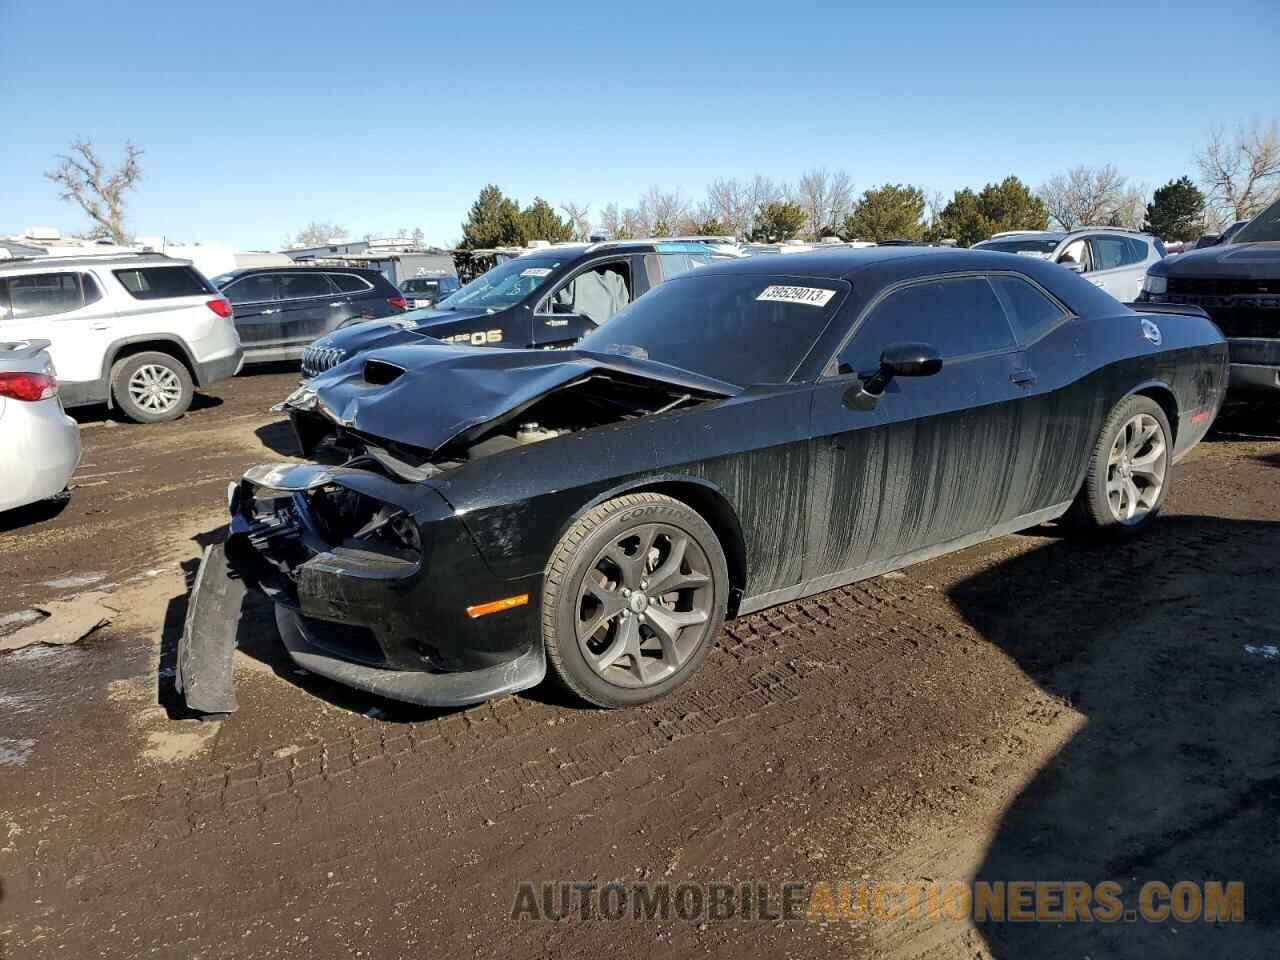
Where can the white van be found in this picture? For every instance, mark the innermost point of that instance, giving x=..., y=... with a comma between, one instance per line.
x=135, y=331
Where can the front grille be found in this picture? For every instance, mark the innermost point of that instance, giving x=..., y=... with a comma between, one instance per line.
x=1241, y=314
x=1223, y=286
x=319, y=359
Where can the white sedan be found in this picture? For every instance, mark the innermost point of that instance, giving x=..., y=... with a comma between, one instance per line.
x=41, y=443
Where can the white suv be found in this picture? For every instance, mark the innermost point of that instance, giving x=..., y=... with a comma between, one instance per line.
x=137, y=331
x=1112, y=258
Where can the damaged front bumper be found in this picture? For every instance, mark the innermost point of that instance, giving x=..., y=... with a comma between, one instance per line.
x=371, y=580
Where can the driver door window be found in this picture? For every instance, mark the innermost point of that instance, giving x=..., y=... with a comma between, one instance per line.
x=959, y=317
x=595, y=294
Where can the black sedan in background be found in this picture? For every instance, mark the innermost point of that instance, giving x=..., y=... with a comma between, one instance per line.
x=279, y=310
x=749, y=433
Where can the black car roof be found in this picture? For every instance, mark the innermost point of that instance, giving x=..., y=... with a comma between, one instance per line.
x=873, y=268
x=299, y=268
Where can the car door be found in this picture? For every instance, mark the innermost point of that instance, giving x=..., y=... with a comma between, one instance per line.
x=307, y=301
x=68, y=309
x=255, y=300
x=1114, y=267
x=924, y=465
x=583, y=301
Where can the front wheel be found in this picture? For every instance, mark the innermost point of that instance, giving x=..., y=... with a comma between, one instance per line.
x=1128, y=476
x=634, y=596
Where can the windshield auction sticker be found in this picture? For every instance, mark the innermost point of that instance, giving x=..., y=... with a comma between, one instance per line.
x=535, y=272
x=809, y=296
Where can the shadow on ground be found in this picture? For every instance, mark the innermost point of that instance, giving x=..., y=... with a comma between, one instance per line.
x=1176, y=775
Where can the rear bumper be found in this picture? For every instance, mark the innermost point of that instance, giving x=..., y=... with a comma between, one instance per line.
x=219, y=368
x=41, y=451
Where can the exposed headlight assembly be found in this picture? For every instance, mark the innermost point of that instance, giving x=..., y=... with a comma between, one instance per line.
x=1156, y=285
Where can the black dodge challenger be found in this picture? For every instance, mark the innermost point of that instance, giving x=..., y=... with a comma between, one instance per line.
x=749, y=433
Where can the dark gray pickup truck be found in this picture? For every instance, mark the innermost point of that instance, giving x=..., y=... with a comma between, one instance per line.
x=1238, y=285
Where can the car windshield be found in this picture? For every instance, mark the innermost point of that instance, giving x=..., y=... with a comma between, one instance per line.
x=1262, y=228
x=742, y=329
x=503, y=286
x=1020, y=245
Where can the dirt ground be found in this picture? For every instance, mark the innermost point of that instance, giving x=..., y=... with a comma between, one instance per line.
x=1034, y=708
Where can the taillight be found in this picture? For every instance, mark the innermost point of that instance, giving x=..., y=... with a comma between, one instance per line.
x=28, y=386
x=221, y=307
x=400, y=303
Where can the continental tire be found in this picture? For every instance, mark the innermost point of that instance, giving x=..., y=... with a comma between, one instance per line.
x=634, y=596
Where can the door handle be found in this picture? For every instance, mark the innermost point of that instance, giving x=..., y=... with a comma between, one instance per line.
x=337, y=303
x=267, y=313
x=1023, y=378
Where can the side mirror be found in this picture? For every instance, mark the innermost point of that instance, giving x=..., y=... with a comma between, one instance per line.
x=909, y=360
x=1075, y=266
x=897, y=360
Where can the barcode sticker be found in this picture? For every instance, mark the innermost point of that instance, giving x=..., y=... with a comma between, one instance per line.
x=809, y=296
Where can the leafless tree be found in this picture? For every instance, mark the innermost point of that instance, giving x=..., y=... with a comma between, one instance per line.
x=1240, y=172
x=633, y=224
x=826, y=198
x=1130, y=209
x=611, y=220
x=731, y=202
x=317, y=233
x=1083, y=195
x=579, y=215
x=663, y=213
x=99, y=192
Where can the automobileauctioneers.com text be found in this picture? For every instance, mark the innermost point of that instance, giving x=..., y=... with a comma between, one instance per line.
x=1015, y=901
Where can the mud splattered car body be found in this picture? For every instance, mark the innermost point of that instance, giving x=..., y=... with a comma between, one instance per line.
x=830, y=416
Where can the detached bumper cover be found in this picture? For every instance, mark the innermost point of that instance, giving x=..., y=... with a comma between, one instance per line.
x=371, y=579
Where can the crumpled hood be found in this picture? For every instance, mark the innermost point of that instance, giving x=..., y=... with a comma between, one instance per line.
x=446, y=392
x=1247, y=260
x=408, y=327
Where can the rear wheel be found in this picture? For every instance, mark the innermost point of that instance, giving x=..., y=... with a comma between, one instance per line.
x=151, y=387
x=1128, y=476
x=634, y=596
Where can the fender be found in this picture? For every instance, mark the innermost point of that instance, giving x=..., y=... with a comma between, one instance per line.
x=109, y=357
x=711, y=502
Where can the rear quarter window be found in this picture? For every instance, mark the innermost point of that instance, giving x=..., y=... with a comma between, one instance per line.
x=1029, y=310
x=160, y=283
x=350, y=283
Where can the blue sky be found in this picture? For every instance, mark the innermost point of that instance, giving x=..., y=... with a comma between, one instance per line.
x=257, y=118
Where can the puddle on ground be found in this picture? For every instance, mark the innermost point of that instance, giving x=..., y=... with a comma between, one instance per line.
x=15, y=751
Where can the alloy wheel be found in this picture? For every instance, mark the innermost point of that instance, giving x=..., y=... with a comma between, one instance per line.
x=155, y=388
x=1136, y=469
x=645, y=605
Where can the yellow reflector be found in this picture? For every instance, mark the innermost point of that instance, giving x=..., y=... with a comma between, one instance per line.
x=497, y=606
